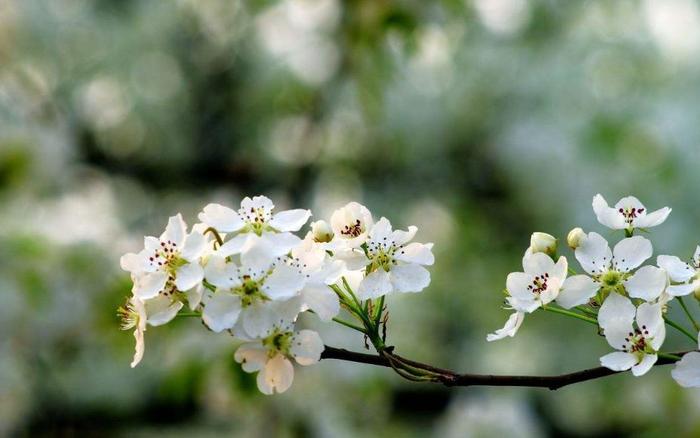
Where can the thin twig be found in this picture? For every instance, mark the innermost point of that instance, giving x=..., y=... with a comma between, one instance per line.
x=451, y=378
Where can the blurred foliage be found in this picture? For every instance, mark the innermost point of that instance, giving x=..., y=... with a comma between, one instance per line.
x=477, y=120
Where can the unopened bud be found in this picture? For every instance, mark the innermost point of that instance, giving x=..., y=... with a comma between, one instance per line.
x=543, y=242
x=575, y=237
x=321, y=231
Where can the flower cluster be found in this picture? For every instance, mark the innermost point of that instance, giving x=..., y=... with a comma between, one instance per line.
x=627, y=299
x=248, y=273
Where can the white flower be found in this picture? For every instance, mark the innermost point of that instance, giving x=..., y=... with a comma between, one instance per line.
x=254, y=221
x=250, y=290
x=627, y=214
x=168, y=264
x=637, y=346
x=539, y=284
x=351, y=224
x=687, y=370
x=133, y=315
x=321, y=231
x=574, y=238
x=611, y=271
x=392, y=263
x=543, y=242
x=271, y=357
x=684, y=277
x=320, y=271
x=509, y=329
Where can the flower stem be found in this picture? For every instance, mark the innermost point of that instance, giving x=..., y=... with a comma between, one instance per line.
x=681, y=329
x=572, y=314
x=687, y=312
x=668, y=356
x=349, y=324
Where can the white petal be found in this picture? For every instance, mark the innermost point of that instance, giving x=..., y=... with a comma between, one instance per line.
x=618, y=361
x=194, y=246
x=374, y=285
x=696, y=256
x=276, y=376
x=290, y=220
x=262, y=202
x=652, y=219
x=222, y=218
x=645, y=365
x=283, y=283
x=236, y=245
x=560, y=269
x=175, y=231
x=647, y=283
x=322, y=300
x=252, y=357
x=616, y=311
x=133, y=262
x=259, y=319
x=631, y=252
x=680, y=290
x=577, y=290
x=221, y=310
x=381, y=230
x=678, y=270
x=524, y=305
x=594, y=254
x=139, y=349
x=517, y=285
x=409, y=278
x=307, y=347
x=610, y=217
x=194, y=296
x=188, y=276
x=400, y=237
x=161, y=310
x=221, y=273
x=628, y=203
x=509, y=329
x=538, y=263
x=416, y=253
x=687, y=370
x=148, y=285
x=650, y=318
x=281, y=243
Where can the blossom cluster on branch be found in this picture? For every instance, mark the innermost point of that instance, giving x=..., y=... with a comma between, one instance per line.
x=627, y=299
x=246, y=272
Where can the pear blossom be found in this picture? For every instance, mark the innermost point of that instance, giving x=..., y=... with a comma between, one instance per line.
x=509, y=329
x=687, y=370
x=637, y=347
x=351, y=224
x=168, y=264
x=320, y=271
x=249, y=290
x=271, y=357
x=627, y=214
x=538, y=284
x=255, y=220
x=393, y=264
x=684, y=277
x=574, y=238
x=611, y=271
x=321, y=232
x=543, y=242
x=133, y=315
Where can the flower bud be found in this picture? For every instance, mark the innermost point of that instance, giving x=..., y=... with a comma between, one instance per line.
x=696, y=290
x=321, y=231
x=575, y=237
x=543, y=242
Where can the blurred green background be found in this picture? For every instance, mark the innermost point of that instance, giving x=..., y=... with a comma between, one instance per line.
x=477, y=120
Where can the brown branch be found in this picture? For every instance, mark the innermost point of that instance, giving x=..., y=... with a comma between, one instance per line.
x=451, y=378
